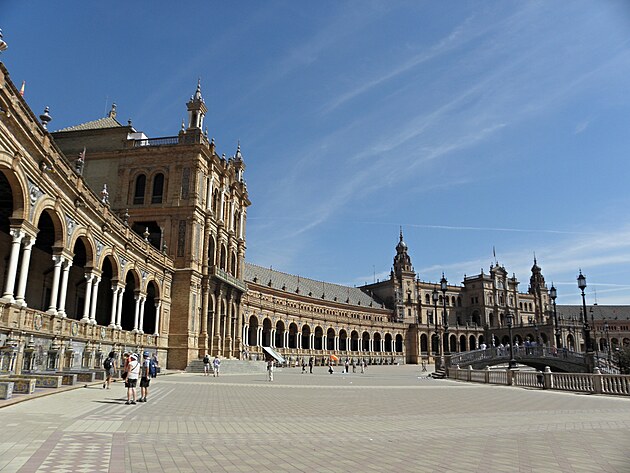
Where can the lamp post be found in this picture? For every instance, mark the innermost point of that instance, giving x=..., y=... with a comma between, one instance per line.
x=532, y=321
x=443, y=287
x=435, y=297
x=581, y=280
x=512, y=363
x=594, y=334
x=553, y=293
x=607, y=341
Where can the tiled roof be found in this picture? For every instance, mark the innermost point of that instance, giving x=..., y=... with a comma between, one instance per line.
x=600, y=312
x=107, y=122
x=309, y=287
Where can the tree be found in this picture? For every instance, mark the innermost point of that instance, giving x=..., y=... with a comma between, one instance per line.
x=623, y=359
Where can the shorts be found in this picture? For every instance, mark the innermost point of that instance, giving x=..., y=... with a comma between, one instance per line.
x=144, y=382
x=130, y=383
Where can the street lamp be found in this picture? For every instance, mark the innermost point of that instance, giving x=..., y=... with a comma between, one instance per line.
x=443, y=287
x=607, y=341
x=594, y=334
x=581, y=280
x=532, y=321
x=553, y=293
x=435, y=297
x=512, y=363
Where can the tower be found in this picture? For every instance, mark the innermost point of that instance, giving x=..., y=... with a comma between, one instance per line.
x=405, y=290
x=538, y=289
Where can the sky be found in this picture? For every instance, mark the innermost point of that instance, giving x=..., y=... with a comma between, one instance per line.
x=481, y=128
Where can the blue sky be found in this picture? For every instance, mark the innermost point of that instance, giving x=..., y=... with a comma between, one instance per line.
x=470, y=124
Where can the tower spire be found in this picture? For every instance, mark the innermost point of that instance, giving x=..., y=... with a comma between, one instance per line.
x=196, y=109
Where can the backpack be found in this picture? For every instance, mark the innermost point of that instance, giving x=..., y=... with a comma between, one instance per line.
x=107, y=364
x=152, y=369
x=206, y=359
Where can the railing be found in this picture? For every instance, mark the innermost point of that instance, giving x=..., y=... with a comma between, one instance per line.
x=165, y=141
x=520, y=353
x=594, y=383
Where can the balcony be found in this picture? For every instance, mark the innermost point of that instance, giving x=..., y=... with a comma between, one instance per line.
x=227, y=278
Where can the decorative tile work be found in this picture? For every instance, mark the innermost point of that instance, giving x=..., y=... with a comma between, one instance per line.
x=78, y=452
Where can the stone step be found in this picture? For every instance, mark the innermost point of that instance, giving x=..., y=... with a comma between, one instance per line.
x=229, y=366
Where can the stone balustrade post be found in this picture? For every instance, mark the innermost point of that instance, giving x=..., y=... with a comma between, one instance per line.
x=548, y=378
x=486, y=375
x=597, y=381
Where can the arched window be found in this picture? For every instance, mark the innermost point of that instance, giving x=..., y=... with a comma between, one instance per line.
x=141, y=184
x=158, y=189
x=427, y=299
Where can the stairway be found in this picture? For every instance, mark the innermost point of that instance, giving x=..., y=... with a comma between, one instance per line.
x=229, y=366
x=439, y=374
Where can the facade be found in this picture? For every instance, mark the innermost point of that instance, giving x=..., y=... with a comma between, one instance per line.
x=111, y=240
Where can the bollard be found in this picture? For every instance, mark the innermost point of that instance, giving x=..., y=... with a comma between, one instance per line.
x=597, y=381
x=548, y=378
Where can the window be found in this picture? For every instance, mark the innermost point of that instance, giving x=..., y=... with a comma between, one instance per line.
x=141, y=184
x=158, y=189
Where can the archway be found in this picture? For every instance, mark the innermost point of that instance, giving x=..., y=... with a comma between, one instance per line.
x=293, y=335
x=306, y=337
x=399, y=343
x=129, y=302
x=388, y=343
x=424, y=344
x=365, y=341
x=343, y=340
x=252, y=332
x=150, y=308
x=472, y=344
x=330, y=339
x=354, y=341
x=319, y=334
x=377, y=342
x=462, y=343
x=266, y=332
x=279, y=334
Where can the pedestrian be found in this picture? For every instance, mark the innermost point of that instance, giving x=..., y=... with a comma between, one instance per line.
x=270, y=370
x=145, y=373
x=303, y=366
x=424, y=366
x=123, y=368
x=310, y=365
x=354, y=366
x=132, y=371
x=206, y=365
x=156, y=364
x=216, y=364
x=110, y=368
x=362, y=366
x=346, y=365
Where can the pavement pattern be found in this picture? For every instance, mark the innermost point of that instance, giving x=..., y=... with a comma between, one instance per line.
x=390, y=419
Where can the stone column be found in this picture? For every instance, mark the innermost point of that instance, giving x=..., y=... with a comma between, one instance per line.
x=67, y=263
x=221, y=212
x=26, y=259
x=216, y=321
x=241, y=225
x=203, y=346
x=121, y=290
x=143, y=300
x=112, y=319
x=158, y=308
x=88, y=298
x=259, y=337
x=16, y=236
x=52, y=309
x=95, y=284
x=136, y=313
x=238, y=343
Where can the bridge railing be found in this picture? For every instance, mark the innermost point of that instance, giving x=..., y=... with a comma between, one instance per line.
x=520, y=353
x=595, y=383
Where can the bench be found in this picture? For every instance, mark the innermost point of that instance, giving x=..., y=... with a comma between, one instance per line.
x=20, y=385
x=6, y=389
x=43, y=380
x=81, y=376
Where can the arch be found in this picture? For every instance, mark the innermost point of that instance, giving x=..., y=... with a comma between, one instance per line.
x=150, y=309
x=330, y=339
x=388, y=342
x=157, y=192
x=343, y=340
x=318, y=343
x=129, y=300
x=462, y=343
x=424, y=343
x=365, y=341
x=377, y=342
x=279, y=338
x=427, y=299
x=306, y=337
x=435, y=341
x=212, y=256
x=266, y=332
x=90, y=251
x=293, y=335
x=233, y=263
x=399, y=343
x=139, y=189
x=354, y=341
x=252, y=331
x=223, y=257
x=452, y=343
x=14, y=189
x=472, y=342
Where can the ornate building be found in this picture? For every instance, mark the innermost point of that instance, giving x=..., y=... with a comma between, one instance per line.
x=111, y=240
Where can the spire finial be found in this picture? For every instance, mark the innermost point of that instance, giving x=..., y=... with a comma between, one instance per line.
x=112, y=112
x=45, y=118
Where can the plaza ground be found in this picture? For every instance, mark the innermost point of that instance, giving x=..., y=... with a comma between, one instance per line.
x=390, y=419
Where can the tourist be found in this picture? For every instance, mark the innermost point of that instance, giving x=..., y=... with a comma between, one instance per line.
x=310, y=365
x=354, y=366
x=270, y=370
x=144, y=377
x=216, y=364
x=346, y=365
x=110, y=368
x=206, y=365
x=132, y=371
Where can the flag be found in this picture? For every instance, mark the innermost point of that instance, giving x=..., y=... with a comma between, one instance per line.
x=22, y=88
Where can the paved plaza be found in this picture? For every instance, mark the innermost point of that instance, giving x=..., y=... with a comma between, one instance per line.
x=390, y=419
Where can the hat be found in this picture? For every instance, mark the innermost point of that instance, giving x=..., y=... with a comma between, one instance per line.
x=133, y=356
x=146, y=354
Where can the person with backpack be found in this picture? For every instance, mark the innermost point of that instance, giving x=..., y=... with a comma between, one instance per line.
x=110, y=368
x=145, y=373
x=216, y=365
x=206, y=365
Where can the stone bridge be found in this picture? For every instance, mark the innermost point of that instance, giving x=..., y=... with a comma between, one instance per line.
x=537, y=357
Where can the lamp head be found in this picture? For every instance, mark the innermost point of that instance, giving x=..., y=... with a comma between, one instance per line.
x=443, y=283
x=435, y=295
x=581, y=280
x=553, y=293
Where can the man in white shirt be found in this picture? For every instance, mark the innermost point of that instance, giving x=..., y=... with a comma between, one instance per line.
x=133, y=372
